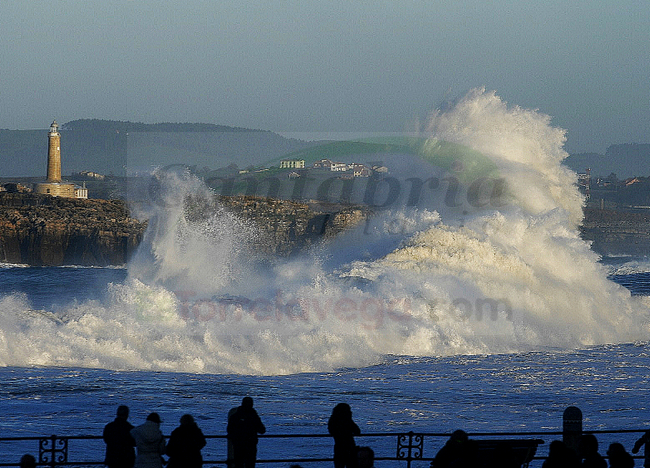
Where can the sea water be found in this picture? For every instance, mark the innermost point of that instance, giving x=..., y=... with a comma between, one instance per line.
x=490, y=316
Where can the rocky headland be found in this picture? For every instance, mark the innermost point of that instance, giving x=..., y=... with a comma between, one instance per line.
x=289, y=226
x=41, y=230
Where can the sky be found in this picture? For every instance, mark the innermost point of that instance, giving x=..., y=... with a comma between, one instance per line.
x=326, y=66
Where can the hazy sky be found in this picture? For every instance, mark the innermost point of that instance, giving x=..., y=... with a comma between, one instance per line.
x=319, y=65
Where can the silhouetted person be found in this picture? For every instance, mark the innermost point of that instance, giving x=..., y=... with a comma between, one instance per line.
x=230, y=452
x=343, y=429
x=366, y=457
x=641, y=442
x=243, y=427
x=618, y=457
x=120, y=451
x=458, y=452
x=185, y=444
x=27, y=461
x=560, y=456
x=149, y=442
x=588, y=448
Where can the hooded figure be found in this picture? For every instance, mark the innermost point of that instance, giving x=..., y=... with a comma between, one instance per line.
x=149, y=442
x=185, y=444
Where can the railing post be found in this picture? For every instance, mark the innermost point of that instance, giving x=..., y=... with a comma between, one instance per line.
x=53, y=450
x=572, y=427
x=409, y=447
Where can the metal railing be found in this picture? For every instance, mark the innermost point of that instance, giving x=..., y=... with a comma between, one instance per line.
x=408, y=448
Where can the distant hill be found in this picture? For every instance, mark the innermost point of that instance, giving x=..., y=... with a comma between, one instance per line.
x=625, y=160
x=117, y=147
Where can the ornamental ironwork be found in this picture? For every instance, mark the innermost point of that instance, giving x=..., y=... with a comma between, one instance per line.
x=53, y=450
x=409, y=447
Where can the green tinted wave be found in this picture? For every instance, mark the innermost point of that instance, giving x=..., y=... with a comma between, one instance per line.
x=466, y=164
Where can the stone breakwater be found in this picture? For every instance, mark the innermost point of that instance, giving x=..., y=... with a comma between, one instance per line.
x=617, y=232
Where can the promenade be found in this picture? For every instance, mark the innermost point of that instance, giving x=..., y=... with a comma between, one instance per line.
x=392, y=449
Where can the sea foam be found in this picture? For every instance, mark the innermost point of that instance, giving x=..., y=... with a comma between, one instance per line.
x=444, y=276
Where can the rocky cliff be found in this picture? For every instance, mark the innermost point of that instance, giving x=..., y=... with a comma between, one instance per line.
x=44, y=230
x=617, y=232
x=290, y=226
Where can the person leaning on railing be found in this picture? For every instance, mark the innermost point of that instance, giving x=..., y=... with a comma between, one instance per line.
x=643, y=440
x=244, y=425
x=120, y=451
x=343, y=429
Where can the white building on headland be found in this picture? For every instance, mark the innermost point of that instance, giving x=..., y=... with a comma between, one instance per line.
x=292, y=164
x=338, y=167
x=81, y=192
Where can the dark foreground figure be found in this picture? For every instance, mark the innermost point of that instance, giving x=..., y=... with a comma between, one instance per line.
x=366, y=457
x=343, y=429
x=588, y=449
x=185, y=444
x=243, y=427
x=458, y=451
x=561, y=456
x=120, y=451
x=618, y=456
x=643, y=442
x=27, y=461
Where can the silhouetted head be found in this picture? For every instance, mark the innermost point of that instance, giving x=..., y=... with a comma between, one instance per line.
x=247, y=402
x=187, y=419
x=557, y=448
x=342, y=411
x=366, y=457
x=615, y=450
x=458, y=436
x=123, y=412
x=27, y=461
x=155, y=417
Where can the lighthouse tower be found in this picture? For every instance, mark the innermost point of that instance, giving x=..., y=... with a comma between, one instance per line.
x=54, y=185
x=54, y=154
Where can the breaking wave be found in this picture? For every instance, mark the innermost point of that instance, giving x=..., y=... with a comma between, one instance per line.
x=461, y=271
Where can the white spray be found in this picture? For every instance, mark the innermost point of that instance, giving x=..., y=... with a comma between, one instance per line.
x=506, y=278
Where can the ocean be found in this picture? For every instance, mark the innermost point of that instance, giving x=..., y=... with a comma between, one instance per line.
x=484, y=313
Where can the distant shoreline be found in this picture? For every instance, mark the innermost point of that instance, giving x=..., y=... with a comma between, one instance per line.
x=39, y=230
